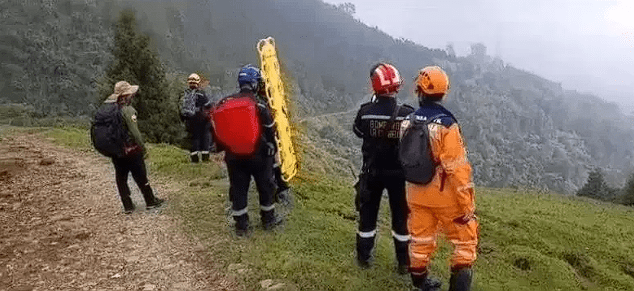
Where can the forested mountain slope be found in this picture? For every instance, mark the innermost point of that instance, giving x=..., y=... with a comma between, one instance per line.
x=522, y=130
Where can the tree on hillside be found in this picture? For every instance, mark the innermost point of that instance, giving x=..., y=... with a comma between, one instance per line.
x=596, y=187
x=136, y=62
x=347, y=8
x=627, y=197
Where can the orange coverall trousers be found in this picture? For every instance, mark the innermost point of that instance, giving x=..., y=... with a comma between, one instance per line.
x=426, y=223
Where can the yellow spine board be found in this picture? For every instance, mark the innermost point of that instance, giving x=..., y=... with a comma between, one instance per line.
x=277, y=101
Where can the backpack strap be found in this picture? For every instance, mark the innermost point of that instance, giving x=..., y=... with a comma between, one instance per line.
x=431, y=119
x=413, y=118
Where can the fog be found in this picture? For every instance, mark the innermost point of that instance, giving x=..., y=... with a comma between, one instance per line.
x=586, y=45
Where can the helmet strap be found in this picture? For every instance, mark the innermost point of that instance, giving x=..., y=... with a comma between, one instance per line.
x=249, y=86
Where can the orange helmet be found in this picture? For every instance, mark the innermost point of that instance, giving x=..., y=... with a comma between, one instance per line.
x=385, y=79
x=432, y=82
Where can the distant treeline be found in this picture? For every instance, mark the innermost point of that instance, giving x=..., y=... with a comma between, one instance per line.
x=522, y=130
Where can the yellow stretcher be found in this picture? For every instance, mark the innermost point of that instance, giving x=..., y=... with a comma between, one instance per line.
x=277, y=101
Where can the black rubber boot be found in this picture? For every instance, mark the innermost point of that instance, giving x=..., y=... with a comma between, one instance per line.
x=194, y=157
x=242, y=225
x=364, y=251
x=128, y=206
x=205, y=157
x=270, y=220
x=402, y=256
x=424, y=282
x=460, y=279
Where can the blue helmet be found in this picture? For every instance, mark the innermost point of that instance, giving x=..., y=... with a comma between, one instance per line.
x=250, y=75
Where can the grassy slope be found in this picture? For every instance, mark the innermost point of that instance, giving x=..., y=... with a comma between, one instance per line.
x=528, y=241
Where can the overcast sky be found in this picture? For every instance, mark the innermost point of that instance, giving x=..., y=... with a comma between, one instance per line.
x=587, y=45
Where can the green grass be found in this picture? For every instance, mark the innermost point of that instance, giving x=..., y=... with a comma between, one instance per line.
x=551, y=242
x=529, y=241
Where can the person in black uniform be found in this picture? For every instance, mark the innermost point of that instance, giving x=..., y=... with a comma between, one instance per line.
x=378, y=124
x=259, y=165
x=196, y=121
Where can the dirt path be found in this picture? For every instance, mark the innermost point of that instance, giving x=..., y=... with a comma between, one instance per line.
x=61, y=228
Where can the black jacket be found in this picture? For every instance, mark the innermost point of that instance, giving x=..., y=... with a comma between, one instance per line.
x=380, y=138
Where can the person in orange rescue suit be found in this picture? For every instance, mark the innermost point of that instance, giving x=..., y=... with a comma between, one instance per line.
x=378, y=123
x=447, y=203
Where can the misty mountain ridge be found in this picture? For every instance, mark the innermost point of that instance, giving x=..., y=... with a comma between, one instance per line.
x=521, y=129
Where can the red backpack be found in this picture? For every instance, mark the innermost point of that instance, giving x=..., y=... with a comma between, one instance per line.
x=236, y=124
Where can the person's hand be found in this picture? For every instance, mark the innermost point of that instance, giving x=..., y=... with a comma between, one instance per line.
x=464, y=219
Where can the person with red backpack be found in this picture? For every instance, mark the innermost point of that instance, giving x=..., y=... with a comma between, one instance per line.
x=378, y=123
x=116, y=117
x=245, y=130
x=440, y=193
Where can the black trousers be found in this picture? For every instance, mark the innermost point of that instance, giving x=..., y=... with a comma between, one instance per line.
x=240, y=172
x=136, y=165
x=200, y=131
x=371, y=190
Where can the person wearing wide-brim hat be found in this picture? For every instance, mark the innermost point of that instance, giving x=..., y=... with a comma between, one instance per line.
x=133, y=162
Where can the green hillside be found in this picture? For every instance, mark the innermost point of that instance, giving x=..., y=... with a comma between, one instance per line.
x=529, y=241
x=523, y=131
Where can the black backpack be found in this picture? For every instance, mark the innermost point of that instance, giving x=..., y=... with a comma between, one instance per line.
x=415, y=151
x=108, y=133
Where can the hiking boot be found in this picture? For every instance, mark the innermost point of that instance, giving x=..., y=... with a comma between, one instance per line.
x=460, y=279
x=155, y=204
x=128, y=210
x=128, y=206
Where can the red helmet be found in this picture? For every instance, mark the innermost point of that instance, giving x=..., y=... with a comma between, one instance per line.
x=385, y=79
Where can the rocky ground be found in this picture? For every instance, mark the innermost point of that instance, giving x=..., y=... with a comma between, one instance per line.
x=62, y=228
